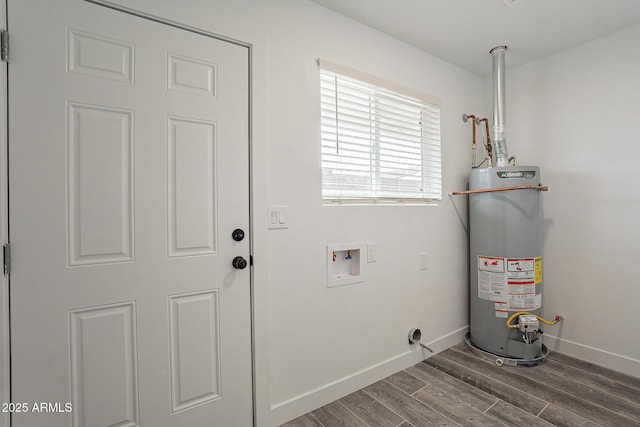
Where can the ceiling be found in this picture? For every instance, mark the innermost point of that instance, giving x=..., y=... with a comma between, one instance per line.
x=463, y=31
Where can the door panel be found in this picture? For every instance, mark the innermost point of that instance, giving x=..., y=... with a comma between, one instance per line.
x=100, y=184
x=129, y=172
x=191, y=170
x=102, y=373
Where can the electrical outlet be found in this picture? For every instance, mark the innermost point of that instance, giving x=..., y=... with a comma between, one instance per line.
x=422, y=261
x=372, y=252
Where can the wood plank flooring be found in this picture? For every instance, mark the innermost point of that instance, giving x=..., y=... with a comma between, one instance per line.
x=459, y=388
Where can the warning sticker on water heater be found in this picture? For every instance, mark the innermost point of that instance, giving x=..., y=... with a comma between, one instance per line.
x=522, y=276
x=492, y=278
x=510, y=282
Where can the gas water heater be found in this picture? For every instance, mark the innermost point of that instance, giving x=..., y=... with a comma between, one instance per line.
x=505, y=244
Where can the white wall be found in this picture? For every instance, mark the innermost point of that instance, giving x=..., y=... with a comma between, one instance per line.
x=576, y=115
x=321, y=339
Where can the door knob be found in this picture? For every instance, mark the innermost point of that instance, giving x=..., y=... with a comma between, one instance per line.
x=239, y=263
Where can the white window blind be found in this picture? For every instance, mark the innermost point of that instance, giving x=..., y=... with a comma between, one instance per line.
x=380, y=142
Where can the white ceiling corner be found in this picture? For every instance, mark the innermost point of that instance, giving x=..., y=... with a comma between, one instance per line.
x=463, y=31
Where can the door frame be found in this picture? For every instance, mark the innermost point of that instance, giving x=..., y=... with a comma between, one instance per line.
x=5, y=355
x=256, y=46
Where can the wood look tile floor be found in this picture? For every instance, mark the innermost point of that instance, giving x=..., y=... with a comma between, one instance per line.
x=459, y=388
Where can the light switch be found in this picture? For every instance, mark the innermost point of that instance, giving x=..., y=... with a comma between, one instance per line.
x=277, y=217
x=283, y=215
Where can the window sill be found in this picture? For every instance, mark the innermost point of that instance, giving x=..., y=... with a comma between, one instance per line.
x=380, y=202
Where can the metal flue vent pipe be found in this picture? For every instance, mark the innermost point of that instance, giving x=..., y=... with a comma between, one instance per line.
x=499, y=110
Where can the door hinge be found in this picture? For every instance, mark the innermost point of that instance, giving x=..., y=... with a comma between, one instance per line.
x=4, y=45
x=6, y=254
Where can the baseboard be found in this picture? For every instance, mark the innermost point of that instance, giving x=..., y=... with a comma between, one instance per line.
x=594, y=355
x=307, y=402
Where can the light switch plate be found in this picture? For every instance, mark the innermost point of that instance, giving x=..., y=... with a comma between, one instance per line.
x=278, y=217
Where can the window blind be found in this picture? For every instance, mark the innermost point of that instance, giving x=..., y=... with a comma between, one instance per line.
x=378, y=144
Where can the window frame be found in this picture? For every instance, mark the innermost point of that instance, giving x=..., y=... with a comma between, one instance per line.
x=430, y=146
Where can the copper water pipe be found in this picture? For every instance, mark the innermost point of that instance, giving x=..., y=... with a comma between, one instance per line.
x=488, y=143
x=495, y=190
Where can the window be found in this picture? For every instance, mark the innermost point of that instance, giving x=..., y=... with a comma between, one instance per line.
x=380, y=142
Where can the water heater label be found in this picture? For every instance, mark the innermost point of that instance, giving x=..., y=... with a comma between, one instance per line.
x=502, y=309
x=510, y=283
x=492, y=278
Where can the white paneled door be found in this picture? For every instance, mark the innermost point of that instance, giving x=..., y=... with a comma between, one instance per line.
x=128, y=164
